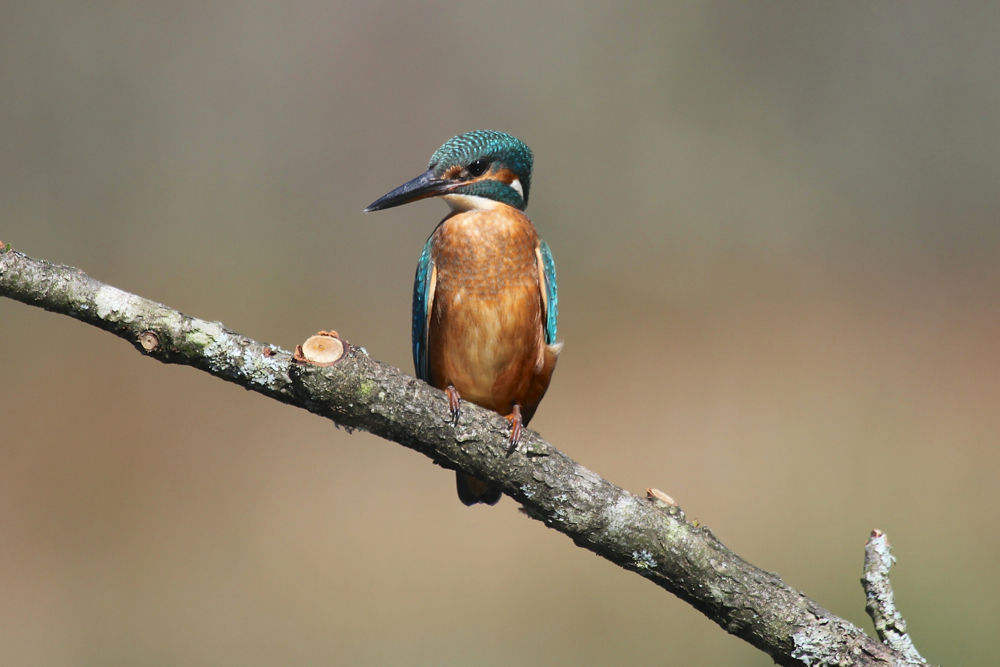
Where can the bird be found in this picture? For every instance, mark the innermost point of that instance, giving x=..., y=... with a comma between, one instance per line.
x=485, y=303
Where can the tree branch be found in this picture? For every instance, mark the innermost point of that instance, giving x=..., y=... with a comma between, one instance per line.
x=647, y=536
x=881, y=606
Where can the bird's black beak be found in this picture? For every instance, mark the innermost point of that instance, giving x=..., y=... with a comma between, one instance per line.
x=423, y=186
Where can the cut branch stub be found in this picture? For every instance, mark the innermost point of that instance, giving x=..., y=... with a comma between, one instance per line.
x=149, y=341
x=326, y=348
x=659, y=496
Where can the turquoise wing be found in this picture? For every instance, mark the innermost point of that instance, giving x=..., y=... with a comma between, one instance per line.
x=551, y=293
x=422, y=300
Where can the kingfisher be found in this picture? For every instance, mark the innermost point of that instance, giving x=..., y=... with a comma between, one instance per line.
x=484, y=299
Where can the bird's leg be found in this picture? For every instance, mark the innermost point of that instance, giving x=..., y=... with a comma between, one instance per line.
x=455, y=403
x=516, y=425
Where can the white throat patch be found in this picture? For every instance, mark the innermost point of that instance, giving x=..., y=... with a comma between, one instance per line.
x=461, y=203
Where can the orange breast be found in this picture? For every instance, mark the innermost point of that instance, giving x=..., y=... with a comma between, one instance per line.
x=486, y=335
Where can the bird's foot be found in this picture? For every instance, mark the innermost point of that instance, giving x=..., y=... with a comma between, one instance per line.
x=454, y=403
x=516, y=426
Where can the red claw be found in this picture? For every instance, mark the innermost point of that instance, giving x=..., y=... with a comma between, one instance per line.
x=454, y=403
x=516, y=426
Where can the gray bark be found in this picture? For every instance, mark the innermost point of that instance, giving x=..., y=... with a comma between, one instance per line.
x=644, y=535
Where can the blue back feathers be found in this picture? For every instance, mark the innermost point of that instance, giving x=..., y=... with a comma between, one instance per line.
x=421, y=313
x=551, y=293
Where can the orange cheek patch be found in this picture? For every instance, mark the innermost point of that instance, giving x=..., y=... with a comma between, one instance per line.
x=504, y=176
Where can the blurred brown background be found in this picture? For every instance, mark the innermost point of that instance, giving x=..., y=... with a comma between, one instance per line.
x=776, y=228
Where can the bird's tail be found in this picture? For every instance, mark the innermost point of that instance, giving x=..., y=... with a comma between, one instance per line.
x=472, y=491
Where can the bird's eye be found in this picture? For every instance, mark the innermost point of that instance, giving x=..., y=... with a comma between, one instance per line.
x=479, y=167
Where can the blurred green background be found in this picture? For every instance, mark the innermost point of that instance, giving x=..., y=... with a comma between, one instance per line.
x=777, y=228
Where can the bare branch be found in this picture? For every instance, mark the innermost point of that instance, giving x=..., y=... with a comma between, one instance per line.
x=881, y=605
x=647, y=536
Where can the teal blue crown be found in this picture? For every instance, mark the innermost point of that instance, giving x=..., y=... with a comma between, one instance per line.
x=498, y=147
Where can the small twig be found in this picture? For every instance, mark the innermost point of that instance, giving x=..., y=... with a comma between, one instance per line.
x=881, y=606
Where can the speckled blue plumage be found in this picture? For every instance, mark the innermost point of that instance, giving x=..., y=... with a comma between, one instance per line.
x=490, y=145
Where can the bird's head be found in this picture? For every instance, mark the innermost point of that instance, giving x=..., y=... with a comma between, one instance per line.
x=473, y=170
